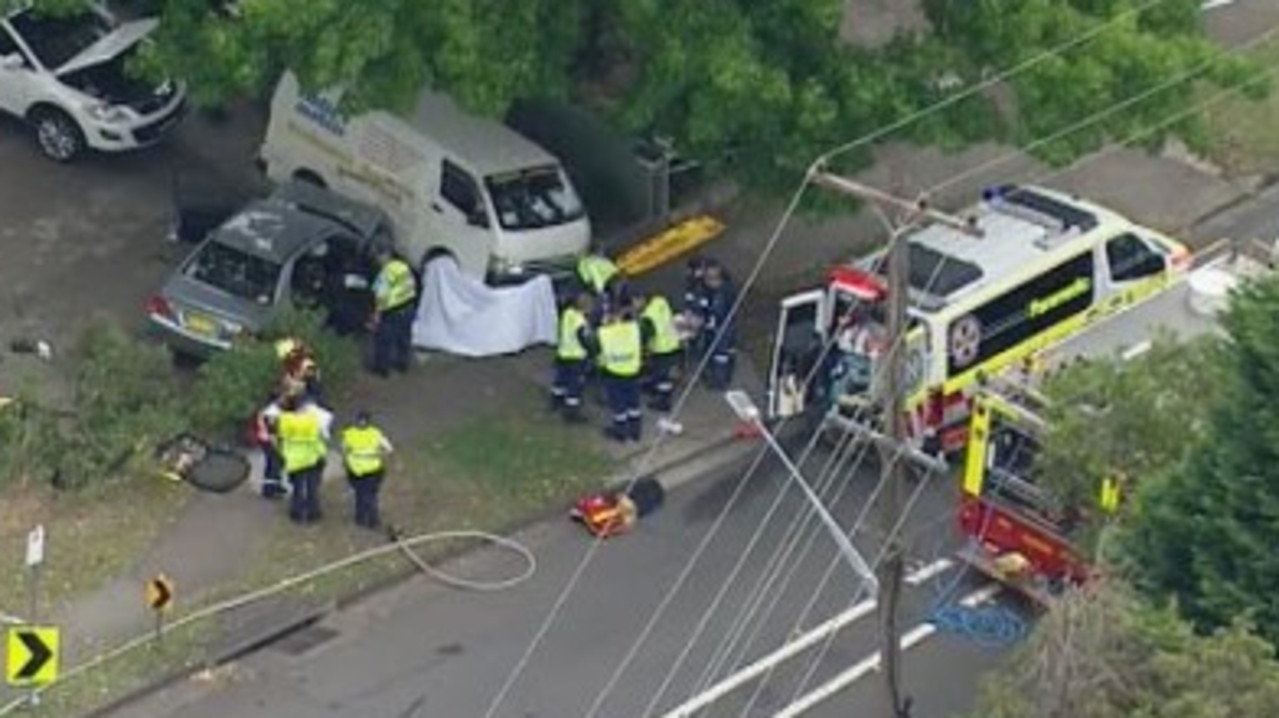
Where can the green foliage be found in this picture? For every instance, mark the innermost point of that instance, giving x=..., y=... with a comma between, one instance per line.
x=122, y=405
x=30, y=445
x=1207, y=533
x=1104, y=654
x=1135, y=54
x=233, y=385
x=1131, y=418
x=338, y=357
x=753, y=88
x=126, y=399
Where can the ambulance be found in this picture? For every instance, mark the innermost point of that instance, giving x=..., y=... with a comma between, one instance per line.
x=1045, y=266
x=453, y=184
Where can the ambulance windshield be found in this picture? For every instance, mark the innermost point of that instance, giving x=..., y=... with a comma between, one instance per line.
x=941, y=275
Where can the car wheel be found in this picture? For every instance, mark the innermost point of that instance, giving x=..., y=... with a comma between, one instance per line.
x=221, y=472
x=58, y=136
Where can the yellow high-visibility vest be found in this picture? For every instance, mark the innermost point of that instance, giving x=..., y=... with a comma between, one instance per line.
x=570, y=347
x=595, y=271
x=301, y=443
x=1109, y=499
x=621, y=348
x=665, y=339
x=394, y=286
x=362, y=449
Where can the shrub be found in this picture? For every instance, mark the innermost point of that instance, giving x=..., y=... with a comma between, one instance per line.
x=339, y=357
x=231, y=386
x=123, y=403
x=126, y=400
x=30, y=446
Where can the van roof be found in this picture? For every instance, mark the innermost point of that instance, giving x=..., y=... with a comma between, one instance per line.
x=1021, y=226
x=488, y=146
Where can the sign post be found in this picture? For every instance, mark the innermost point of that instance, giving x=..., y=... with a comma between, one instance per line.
x=34, y=561
x=159, y=595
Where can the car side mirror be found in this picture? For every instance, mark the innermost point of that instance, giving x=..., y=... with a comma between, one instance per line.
x=12, y=61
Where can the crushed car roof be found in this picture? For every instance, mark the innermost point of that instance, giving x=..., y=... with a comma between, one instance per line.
x=286, y=223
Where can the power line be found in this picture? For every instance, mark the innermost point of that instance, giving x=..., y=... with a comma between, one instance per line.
x=1229, y=92
x=770, y=573
x=989, y=82
x=891, y=406
x=1102, y=115
x=791, y=207
x=1221, y=96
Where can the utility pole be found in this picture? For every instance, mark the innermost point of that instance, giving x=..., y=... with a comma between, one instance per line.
x=894, y=441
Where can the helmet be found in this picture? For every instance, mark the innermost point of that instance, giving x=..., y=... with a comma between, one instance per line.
x=286, y=346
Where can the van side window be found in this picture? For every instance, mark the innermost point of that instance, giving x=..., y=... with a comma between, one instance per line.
x=460, y=189
x=1020, y=313
x=7, y=45
x=1130, y=257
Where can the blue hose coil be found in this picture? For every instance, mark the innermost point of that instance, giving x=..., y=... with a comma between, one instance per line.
x=987, y=626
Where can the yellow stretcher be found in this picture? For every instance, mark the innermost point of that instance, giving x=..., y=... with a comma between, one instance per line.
x=659, y=249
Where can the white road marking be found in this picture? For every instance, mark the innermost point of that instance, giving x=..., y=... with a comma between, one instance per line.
x=1214, y=4
x=912, y=638
x=798, y=645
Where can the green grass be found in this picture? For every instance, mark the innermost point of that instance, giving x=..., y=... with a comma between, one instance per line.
x=184, y=648
x=1243, y=134
x=490, y=473
x=91, y=534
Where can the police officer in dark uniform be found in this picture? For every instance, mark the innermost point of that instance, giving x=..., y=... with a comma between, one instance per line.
x=696, y=302
x=721, y=327
x=572, y=358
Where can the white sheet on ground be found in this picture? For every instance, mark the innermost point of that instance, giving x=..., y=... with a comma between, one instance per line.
x=461, y=315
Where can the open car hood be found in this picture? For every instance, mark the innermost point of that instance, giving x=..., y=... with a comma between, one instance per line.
x=110, y=46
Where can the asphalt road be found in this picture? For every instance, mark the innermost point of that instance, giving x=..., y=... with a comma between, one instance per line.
x=423, y=650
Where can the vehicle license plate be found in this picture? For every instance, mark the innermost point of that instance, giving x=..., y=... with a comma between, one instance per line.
x=200, y=324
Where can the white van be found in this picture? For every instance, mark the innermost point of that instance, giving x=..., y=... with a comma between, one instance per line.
x=452, y=183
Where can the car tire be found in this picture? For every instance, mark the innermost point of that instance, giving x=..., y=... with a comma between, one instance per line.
x=57, y=135
x=223, y=470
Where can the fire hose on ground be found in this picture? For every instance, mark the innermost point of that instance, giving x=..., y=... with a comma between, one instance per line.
x=398, y=544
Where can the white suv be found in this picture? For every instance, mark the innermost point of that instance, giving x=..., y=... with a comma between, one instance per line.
x=66, y=77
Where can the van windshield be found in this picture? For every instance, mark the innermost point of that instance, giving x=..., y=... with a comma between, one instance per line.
x=533, y=199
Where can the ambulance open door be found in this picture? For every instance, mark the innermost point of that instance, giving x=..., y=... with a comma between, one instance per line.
x=797, y=350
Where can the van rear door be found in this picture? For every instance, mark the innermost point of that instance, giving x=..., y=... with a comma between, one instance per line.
x=797, y=350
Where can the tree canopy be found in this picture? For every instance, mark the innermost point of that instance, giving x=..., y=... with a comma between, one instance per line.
x=760, y=87
x=1135, y=418
x=1206, y=534
x=1101, y=653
